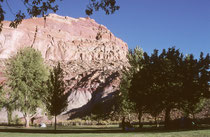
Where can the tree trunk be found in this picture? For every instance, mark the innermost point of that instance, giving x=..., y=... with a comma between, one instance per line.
x=193, y=115
x=129, y=117
x=123, y=123
x=156, y=123
x=167, y=117
x=139, y=117
x=27, y=120
x=9, y=116
x=55, y=123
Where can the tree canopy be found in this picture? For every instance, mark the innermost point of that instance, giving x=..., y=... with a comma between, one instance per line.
x=124, y=105
x=26, y=73
x=169, y=80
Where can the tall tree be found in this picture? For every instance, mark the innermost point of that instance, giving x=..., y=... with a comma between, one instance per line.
x=170, y=80
x=204, y=75
x=26, y=73
x=56, y=100
x=124, y=105
x=156, y=86
x=36, y=8
x=195, y=84
x=144, y=90
x=191, y=91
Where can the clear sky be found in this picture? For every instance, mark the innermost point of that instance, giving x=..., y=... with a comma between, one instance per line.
x=150, y=24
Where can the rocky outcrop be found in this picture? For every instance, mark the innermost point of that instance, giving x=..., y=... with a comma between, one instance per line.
x=90, y=54
x=63, y=38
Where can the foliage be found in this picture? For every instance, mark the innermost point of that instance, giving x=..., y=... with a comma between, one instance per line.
x=56, y=100
x=144, y=91
x=26, y=73
x=7, y=101
x=195, y=83
x=109, y=6
x=166, y=76
x=36, y=8
x=98, y=112
x=124, y=105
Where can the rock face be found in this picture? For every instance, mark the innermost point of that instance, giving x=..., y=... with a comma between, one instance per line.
x=91, y=55
x=63, y=38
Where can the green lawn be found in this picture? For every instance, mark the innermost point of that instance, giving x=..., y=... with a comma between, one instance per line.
x=96, y=131
x=199, y=133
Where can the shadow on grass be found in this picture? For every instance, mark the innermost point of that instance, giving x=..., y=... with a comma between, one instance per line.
x=100, y=130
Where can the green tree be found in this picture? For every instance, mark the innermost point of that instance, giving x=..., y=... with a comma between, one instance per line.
x=169, y=78
x=36, y=8
x=56, y=100
x=124, y=105
x=156, y=86
x=204, y=75
x=26, y=73
x=144, y=90
x=195, y=84
x=191, y=91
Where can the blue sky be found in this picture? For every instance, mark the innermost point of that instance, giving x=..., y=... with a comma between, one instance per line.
x=150, y=24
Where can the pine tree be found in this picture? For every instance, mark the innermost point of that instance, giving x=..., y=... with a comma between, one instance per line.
x=56, y=100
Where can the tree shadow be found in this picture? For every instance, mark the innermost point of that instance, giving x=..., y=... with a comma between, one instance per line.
x=96, y=99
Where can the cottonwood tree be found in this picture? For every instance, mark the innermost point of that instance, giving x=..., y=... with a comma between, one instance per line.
x=191, y=90
x=124, y=105
x=143, y=92
x=195, y=83
x=144, y=89
x=56, y=100
x=204, y=75
x=156, y=86
x=36, y=8
x=168, y=80
x=26, y=73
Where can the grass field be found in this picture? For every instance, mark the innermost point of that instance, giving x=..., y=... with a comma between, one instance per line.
x=199, y=133
x=96, y=131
